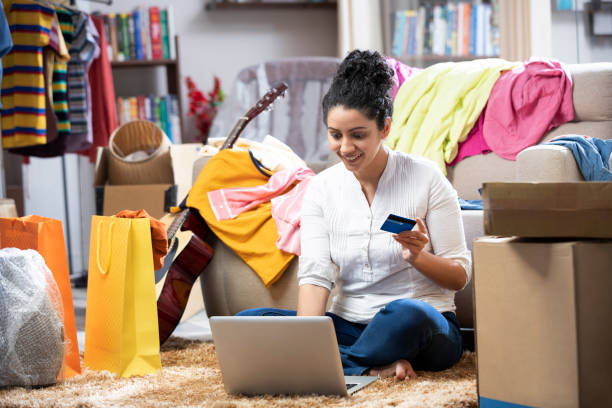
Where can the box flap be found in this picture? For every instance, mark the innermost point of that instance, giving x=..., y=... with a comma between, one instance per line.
x=580, y=195
x=151, y=197
x=183, y=158
x=577, y=209
x=101, y=167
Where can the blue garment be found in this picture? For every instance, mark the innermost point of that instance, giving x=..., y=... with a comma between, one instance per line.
x=470, y=204
x=6, y=41
x=591, y=154
x=404, y=329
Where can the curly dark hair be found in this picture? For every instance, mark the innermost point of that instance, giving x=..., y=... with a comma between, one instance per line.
x=363, y=82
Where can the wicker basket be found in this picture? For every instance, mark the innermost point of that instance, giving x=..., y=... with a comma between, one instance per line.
x=139, y=154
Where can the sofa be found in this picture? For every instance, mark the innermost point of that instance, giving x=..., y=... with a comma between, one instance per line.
x=229, y=285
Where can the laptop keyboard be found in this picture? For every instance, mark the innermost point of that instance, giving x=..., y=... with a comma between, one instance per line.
x=349, y=386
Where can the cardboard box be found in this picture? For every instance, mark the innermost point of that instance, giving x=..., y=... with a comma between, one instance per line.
x=578, y=209
x=543, y=327
x=154, y=185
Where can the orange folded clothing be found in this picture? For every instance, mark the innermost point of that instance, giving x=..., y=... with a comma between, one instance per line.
x=159, y=238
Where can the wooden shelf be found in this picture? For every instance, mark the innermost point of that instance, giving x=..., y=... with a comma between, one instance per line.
x=143, y=63
x=172, y=69
x=434, y=58
x=253, y=5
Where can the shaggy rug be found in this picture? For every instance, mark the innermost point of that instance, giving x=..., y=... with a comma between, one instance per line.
x=191, y=378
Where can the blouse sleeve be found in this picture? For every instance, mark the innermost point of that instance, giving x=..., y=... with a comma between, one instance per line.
x=315, y=265
x=444, y=223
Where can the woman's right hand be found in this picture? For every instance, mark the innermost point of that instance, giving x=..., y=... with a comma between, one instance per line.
x=413, y=242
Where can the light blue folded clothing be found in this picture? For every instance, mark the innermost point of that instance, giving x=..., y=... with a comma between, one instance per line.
x=592, y=155
x=470, y=204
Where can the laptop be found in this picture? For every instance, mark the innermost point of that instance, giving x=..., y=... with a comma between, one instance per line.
x=281, y=355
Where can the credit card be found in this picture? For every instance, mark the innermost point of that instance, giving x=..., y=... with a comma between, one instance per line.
x=396, y=224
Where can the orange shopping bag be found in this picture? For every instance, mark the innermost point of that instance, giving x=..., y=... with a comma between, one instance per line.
x=121, y=326
x=46, y=236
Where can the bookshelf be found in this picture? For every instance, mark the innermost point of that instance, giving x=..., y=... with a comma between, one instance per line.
x=424, y=32
x=172, y=76
x=259, y=4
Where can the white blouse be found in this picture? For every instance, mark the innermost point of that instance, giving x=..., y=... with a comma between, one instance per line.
x=342, y=241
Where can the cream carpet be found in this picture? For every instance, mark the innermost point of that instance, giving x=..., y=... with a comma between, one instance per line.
x=191, y=378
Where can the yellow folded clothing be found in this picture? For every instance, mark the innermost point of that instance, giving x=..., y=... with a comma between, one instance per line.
x=252, y=234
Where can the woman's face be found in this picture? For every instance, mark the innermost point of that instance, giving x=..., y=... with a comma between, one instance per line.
x=355, y=138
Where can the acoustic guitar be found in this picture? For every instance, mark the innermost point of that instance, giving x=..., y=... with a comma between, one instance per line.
x=188, y=253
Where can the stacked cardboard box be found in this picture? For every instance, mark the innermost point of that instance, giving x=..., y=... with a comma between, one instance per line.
x=542, y=304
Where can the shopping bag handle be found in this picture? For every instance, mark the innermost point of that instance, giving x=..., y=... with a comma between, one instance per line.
x=104, y=270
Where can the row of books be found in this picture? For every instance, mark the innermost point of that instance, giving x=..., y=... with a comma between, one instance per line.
x=163, y=110
x=147, y=33
x=452, y=29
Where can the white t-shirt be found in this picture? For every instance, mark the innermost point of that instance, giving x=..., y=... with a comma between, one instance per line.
x=341, y=233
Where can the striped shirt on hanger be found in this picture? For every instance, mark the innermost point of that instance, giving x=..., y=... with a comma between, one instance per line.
x=23, y=100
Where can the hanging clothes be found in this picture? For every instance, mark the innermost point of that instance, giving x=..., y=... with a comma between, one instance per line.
x=83, y=51
x=56, y=49
x=103, y=112
x=6, y=42
x=23, y=95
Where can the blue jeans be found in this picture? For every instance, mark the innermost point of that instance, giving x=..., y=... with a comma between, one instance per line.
x=404, y=329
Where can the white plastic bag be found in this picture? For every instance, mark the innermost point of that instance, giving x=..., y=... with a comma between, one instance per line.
x=31, y=321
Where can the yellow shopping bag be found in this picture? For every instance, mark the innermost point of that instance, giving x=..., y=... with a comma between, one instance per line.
x=121, y=328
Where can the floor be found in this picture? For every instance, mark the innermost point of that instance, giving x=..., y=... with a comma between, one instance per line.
x=195, y=328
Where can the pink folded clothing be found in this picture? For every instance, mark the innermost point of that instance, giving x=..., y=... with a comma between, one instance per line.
x=228, y=203
x=524, y=104
x=474, y=143
x=401, y=72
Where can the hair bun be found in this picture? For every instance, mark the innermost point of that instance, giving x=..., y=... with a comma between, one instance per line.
x=369, y=68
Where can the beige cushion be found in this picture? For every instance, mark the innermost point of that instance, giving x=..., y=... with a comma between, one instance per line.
x=600, y=129
x=547, y=163
x=592, y=91
x=468, y=175
x=229, y=285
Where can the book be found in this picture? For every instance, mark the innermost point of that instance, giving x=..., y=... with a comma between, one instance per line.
x=163, y=116
x=406, y=35
x=133, y=104
x=112, y=29
x=142, y=114
x=420, y=30
x=163, y=18
x=171, y=31
x=144, y=32
x=175, y=120
x=120, y=109
x=467, y=11
x=125, y=36
x=156, y=111
x=398, y=34
x=428, y=31
x=137, y=36
x=156, y=35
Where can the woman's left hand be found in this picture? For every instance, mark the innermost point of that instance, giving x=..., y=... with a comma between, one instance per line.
x=413, y=241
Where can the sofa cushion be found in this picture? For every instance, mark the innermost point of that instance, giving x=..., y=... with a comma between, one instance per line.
x=592, y=93
x=547, y=163
x=601, y=129
x=468, y=175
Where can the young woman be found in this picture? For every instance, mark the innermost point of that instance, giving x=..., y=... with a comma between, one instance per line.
x=394, y=311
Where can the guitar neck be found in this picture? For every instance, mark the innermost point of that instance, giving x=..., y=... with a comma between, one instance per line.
x=177, y=223
x=235, y=133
